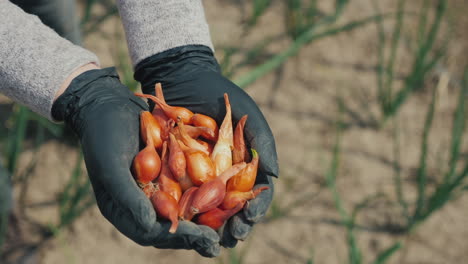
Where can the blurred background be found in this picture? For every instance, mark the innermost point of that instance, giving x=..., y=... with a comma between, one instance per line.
x=367, y=100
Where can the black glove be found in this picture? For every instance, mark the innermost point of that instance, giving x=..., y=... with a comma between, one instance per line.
x=190, y=76
x=105, y=116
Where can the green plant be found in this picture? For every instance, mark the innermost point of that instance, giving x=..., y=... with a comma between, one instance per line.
x=426, y=50
x=19, y=122
x=75, y=198
x=300, y=15
x=426, y=56
x=16, y=137
x=91, y=22
x=386, y=72
x=17, y=130
x=305, y=23
x=307, y=37
x=258, y=9
x=397, y=169
x=349, y=220
x=452, y=182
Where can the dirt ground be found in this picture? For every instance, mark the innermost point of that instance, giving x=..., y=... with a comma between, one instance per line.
x=299, y=101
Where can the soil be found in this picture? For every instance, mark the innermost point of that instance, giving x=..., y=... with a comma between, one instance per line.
x=299, y=101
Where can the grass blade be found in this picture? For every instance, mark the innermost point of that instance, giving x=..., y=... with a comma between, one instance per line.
x=225, y=62
x=380, y=56
x=330, y=176
x=420, y=66
x=312, y=12
x=423, y=21
x=340, y=6
x=355, y=255
x=445, y=191
x=258, y=51
x=431, y=37
x=299, y=16
x=422, y=174
x=93, y=24
x=307, y=37
x=75, y=198
x=388, y=87
x=293, y=18
x=386, y=254
x=397, y=169
x=259, y=8
x=457, y=129
x=88, y=6
x=16, y=138
x=442, y=195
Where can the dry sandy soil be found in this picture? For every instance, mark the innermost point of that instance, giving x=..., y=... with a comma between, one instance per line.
x=299, y=101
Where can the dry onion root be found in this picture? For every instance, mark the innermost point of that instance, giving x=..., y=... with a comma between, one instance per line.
x=202, y=175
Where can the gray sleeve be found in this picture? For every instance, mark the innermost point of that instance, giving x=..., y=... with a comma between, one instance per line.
x=153, y=26
x=34, y=60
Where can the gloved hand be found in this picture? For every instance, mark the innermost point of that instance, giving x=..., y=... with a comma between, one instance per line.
x=105, y=116
x=190, y=77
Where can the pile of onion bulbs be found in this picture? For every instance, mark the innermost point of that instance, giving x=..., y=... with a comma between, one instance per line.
x=192, y=169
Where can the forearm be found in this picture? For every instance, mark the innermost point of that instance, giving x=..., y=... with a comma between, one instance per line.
x=35, y=62
x=153, y=26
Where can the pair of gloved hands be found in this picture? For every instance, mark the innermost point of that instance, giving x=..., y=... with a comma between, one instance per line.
x=105, y=116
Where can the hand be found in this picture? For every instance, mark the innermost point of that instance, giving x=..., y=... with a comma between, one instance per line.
x=190, y=77
x=105, y=116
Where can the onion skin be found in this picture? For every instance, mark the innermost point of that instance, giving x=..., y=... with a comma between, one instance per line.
x=211, y=194
x=208, y=196
x=215, y=218
x=159, y=115
x=159, y=92
x=185, y=182
x=239, y=153
x=166, y=207
x=146, y=165
x=185, y=203
x=150, y=127
x=189, y=141
x=222, y=151
x=245, y=179
x=208, y=146
x=234, y=198
x=177, y=163
x=173, y=112
x=195, y=132
x=201, y=120
x=166, y=181
x=200, y=168
x=163, y=121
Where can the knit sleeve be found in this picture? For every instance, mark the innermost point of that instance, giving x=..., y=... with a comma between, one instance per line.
x=34, y=60
x=153, y=26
